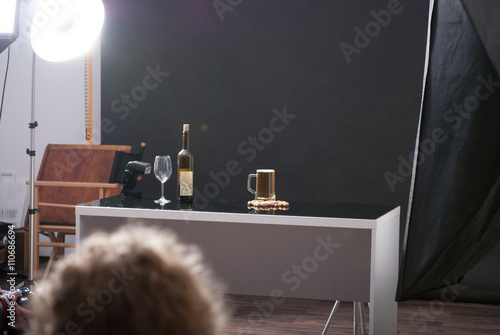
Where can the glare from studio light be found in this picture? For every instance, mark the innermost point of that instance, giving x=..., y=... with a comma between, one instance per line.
x=7, y=16
x=67, y=30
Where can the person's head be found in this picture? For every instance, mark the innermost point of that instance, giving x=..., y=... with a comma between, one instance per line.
x=135, y=281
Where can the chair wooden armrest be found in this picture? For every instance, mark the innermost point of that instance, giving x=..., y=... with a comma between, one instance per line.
x=104, y=188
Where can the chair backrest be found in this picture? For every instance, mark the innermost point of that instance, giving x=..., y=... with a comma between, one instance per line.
x=75, y=163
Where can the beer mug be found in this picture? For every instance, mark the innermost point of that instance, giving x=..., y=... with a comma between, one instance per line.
x=264, y=184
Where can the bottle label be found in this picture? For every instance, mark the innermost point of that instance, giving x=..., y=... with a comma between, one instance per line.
x=186, y=183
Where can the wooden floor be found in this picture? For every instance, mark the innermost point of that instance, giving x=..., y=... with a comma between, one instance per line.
x=255, y=315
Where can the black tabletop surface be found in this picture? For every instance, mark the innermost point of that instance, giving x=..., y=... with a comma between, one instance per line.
x=295, y=208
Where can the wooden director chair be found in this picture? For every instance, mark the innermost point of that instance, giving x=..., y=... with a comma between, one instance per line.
x=69, y=175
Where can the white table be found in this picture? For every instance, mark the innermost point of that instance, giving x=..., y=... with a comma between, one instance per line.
x=312, y=251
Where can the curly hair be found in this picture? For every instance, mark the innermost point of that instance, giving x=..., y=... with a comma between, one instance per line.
x=137, y=280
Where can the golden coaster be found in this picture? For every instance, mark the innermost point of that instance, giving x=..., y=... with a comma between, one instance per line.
x=268, y=204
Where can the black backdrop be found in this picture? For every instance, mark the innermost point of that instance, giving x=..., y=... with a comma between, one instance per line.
x=325, y=92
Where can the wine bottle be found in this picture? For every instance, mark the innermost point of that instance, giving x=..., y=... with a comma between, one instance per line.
x=185, y=165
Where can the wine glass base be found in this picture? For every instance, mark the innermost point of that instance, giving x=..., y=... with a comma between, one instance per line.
x=162, y=201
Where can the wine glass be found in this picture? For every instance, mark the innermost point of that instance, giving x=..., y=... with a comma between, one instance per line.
x=163, y=171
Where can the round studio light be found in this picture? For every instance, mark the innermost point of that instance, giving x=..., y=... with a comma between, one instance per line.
x=66, y=28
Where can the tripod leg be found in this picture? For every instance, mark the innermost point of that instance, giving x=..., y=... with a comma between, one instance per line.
x=359, y=318
x=332, y=313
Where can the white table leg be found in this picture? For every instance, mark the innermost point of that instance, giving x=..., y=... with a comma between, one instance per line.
x=384, y=275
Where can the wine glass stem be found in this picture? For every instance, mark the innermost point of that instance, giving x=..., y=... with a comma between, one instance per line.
x=162, y=192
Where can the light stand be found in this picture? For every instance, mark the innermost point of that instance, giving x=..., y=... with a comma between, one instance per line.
x=72, y=30
x=32, y=153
